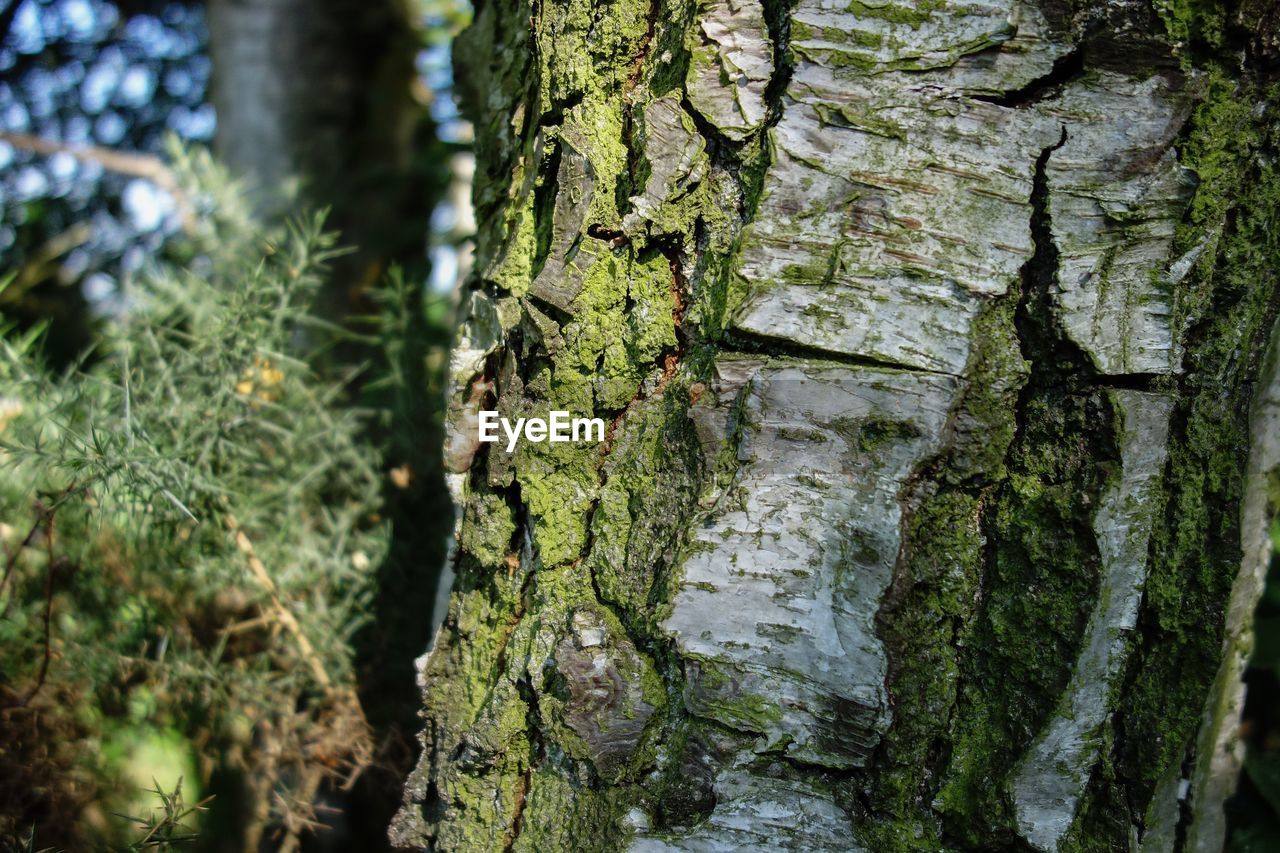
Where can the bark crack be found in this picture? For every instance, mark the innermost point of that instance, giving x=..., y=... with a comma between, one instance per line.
x=1066, y=69
x=538, y=749
x=1043, y=342
x=746, y=342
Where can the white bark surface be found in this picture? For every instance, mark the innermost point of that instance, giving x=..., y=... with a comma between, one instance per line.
x=1052, y=778
x=926, y=291
x=803, y=543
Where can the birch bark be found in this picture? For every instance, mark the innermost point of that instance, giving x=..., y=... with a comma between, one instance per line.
x=928, y=334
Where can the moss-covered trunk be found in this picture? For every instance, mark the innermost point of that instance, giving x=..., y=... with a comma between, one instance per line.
x=927, y=333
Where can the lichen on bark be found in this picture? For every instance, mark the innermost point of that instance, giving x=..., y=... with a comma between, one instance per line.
x=926, y=334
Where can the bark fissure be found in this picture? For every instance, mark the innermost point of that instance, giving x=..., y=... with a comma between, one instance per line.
x=1066, y=69
x=887, y=350
x=753, y=343
x=1065, y=443
x=537, y=756
x=1056, y=360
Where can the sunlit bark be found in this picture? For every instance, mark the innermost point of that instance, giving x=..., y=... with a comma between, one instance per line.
x=928, y=334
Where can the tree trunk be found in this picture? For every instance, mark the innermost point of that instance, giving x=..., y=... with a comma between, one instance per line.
x=316, y=98
x=927, y=334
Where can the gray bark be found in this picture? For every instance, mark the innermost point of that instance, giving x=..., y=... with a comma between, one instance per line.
x=928, y=334
x=314, y=103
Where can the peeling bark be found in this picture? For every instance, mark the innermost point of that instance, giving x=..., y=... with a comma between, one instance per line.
x=927, y=334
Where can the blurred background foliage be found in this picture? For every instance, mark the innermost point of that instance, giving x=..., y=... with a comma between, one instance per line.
x=87, y=72
x=220, y=500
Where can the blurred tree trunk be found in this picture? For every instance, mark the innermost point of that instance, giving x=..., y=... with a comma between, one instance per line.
x=928, y=335
x=319, y=96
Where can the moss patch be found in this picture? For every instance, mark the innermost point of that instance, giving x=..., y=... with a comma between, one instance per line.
x=1232, y=292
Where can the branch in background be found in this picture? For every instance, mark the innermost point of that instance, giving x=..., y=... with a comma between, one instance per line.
x=145, y=166
x=41, y=266
x=283, y=614
x=11, y=555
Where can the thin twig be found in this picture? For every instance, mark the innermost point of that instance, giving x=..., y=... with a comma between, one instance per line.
x=283, y=614
x=40, y=266
x=346, y=696
x=44, y=517
x=146, y=166
x=300, y=824
x=247, y=625
x=11, y=555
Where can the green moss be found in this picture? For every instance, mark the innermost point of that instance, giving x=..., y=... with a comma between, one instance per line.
x=515, y=266
x=651, y=478
x=748, y=712
x=1194, y=22
x=1232, y=145
x=987, y=427
x=871, y=434
x=936, y=593
x=841, y=59
x=488, y=526
x=667, y=64
x=596, y=129
x=477, y=807
x=1041, y=564
x=869, y=120
x=651, y=318
x=800, y=31
x=583, y=48
x=623, y=322
x=695, y=208
x=546, y=684
x=912, y=15
x=559, y=488
x=563, y=814
x=942, y=562
x=1041, y=581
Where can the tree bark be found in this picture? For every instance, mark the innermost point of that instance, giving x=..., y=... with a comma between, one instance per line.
x=928, y=334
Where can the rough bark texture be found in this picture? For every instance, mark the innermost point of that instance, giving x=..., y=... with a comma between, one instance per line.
x=928, y=334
